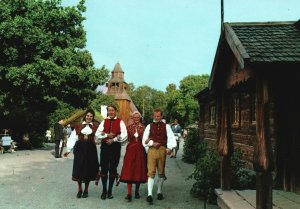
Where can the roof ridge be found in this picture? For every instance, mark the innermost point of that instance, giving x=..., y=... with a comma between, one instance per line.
x=261, y=23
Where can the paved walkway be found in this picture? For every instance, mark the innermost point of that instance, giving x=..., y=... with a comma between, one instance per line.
x=36, y=180
x=246, y=199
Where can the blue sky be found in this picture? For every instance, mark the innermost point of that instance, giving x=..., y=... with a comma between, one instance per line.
x=158, y=42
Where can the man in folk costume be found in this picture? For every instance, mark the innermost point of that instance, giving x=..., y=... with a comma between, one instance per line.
x=160, y=140
x=112, y=132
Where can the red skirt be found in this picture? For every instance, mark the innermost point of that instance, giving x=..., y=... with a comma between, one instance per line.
x=134, y=168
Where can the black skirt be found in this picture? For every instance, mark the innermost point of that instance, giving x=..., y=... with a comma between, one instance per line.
x=85, y=165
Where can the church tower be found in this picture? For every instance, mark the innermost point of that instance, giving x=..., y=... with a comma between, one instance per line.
x=117, y=87
x=117, y=84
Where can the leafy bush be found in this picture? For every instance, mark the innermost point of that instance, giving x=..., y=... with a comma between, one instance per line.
x=242, y=178
x=191, y=149
x=207, y=173
x=207, y=176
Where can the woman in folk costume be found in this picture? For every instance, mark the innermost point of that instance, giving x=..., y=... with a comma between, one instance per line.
x=134, y=170
x=82, y=142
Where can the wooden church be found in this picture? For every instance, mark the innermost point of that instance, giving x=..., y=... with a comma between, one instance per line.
x=117, y=87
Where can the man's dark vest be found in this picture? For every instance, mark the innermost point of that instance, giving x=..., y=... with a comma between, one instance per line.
x=158, y=133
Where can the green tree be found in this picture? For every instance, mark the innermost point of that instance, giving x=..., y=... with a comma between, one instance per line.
x=43, y=64
x=102, y=99
x=146, y=100
x=173, y=107
x=187, y=105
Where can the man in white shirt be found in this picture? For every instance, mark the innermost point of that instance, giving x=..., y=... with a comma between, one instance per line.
x=159, y=139
x=112, y=132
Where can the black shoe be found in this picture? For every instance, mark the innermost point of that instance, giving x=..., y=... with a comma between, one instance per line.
x=128, y=198
x=150, y=199
x=160, y=196
x=137, y=195
x=85, y=194
x=79, y=194
x=103, y=196
x=110, y=196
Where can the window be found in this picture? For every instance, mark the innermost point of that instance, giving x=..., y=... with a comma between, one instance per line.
x=212, y=114
x=253, y=109
x=236, y=112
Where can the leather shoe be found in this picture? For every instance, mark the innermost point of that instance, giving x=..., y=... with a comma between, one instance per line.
x=103, y=196
x=109, y=196
x=160, y=196
x=150, y=199
x=79, y=194
x=85, y=194
x=137, y=195
x=128, y=198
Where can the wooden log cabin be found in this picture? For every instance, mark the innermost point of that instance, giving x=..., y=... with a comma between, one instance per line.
x=252, y=103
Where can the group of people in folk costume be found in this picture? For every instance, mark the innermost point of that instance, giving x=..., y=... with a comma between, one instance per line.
x=138, y=167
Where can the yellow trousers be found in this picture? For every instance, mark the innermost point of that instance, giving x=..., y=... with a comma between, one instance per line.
x=156, y=159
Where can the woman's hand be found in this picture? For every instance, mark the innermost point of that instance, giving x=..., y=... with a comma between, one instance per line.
x=111, y=135
x=109, y=141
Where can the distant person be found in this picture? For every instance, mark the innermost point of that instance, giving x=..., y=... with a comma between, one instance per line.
x=134, y=170
x=158, y=136
x=112, y=132
x=59, y=137
x=26, y=144
x=68, y=130
x=177, y=130
x=82, y=142
x=48, y=135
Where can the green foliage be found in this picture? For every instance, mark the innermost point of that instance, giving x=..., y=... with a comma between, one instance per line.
x=187, y=105
x=63, y=111
x=146, y=100
x=207, y=176
x=193, y=149
x=207, y=172
x=44, y=65
x=102, y=99
x=242, y=177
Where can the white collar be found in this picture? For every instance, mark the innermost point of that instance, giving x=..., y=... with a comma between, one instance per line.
x=85, y=123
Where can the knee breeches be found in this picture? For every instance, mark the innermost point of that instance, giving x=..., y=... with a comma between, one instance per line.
x=156, y=160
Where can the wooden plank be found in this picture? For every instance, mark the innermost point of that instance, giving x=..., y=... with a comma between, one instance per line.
x=236, y=46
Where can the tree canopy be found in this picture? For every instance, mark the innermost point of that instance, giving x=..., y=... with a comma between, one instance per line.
x=43, y=63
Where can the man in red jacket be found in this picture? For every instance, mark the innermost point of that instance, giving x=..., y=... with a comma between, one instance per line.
x=112, y=132
x=159, y=139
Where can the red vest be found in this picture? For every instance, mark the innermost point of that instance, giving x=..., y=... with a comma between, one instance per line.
x=112, y=126
x=78, y=129
x=158, y=133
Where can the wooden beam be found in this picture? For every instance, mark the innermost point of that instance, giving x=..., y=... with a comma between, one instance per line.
x=263, y=158
x=236, y=46
x=225, y=145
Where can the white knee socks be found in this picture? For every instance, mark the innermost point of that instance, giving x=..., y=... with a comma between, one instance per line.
x=150, y=185
x=160, y=185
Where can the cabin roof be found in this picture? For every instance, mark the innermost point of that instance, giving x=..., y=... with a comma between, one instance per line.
x=268, y=41
x=258, y=43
